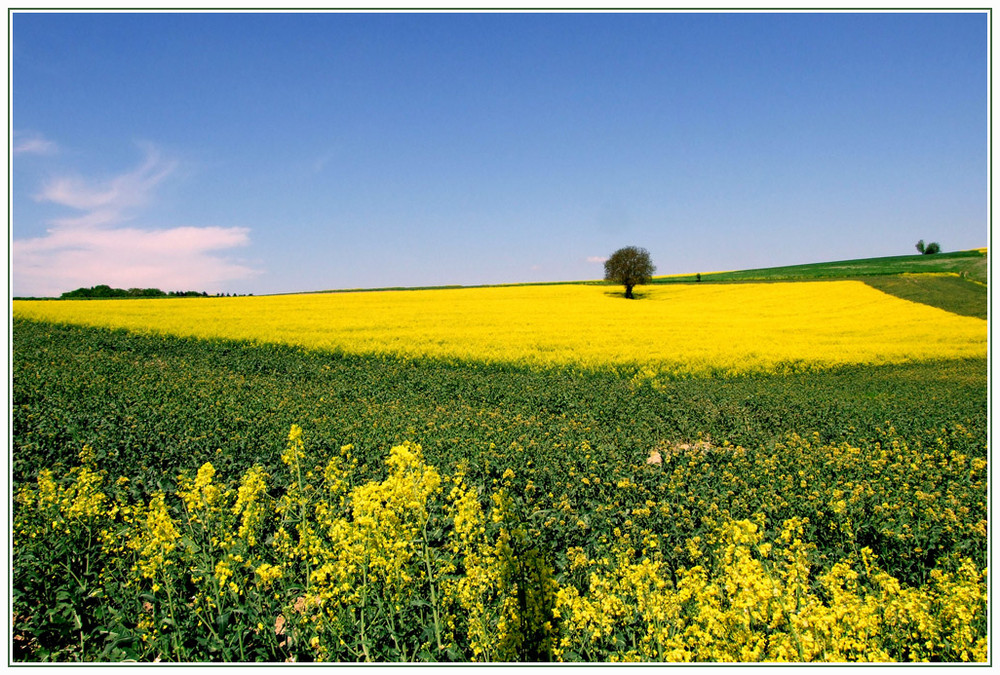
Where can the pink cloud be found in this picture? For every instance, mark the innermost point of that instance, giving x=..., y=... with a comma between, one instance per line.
x=179, y=258
x=95, y=247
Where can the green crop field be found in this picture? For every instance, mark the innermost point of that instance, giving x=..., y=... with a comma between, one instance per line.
x=966, y=264
x=190, y=500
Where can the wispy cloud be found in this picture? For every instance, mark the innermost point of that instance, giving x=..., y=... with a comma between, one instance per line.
x=111, y=201
x=31, y=143
x=597, y=259
x=97, y=246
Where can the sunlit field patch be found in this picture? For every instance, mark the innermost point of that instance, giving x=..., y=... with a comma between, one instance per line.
x=669, y=331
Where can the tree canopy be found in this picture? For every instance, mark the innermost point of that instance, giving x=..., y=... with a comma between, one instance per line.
x=929, y=249
x=629, y=266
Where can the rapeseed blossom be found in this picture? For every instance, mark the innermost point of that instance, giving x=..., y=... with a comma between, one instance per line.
x=157, y=539
x=249, y=505
x=747, y=605
x=674, y=330
x=423, y=565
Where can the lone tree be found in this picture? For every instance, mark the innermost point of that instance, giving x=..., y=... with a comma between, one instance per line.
x=629, y=266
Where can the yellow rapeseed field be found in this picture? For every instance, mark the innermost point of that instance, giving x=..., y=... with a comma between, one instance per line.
x=695, y=329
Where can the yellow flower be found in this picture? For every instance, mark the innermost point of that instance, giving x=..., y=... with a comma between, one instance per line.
x=295, y=448
x=267, y=574
x=202, y=493
x=779, y=326
x=248, y=505
x=157, y=537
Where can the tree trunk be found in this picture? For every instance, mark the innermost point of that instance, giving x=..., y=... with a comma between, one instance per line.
x=628, y=292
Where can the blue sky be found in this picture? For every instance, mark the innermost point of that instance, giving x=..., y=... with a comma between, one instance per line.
x=267, y=153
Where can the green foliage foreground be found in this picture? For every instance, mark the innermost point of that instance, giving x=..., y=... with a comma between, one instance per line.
x=426, y=510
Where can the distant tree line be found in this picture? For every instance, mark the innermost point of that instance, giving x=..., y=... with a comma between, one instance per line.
x=928, y=249
x=105, y=291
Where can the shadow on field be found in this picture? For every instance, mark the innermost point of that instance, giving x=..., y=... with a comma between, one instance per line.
x=620, y=294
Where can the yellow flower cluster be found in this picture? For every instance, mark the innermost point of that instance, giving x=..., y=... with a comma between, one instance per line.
x=201, y=559
x=421, y=565
x=67, y=503
x=753, y=601
x=202, y=494
x=673, y=330
x=249, y=506
x=196, y=538
x=157, y=537
x=368, y=556
x=504, y=594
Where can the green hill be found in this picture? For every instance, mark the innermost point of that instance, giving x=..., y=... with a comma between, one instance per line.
x=966, y=264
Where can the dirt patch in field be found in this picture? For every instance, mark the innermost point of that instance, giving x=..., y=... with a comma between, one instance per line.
x=664, y=451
